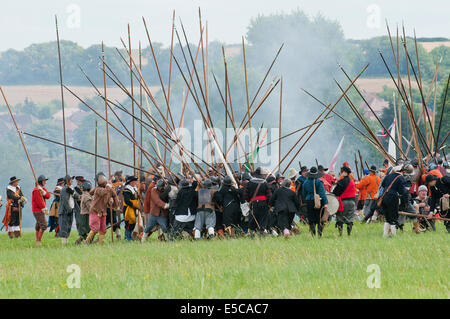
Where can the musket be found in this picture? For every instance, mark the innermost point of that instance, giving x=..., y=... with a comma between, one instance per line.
x=424, y=216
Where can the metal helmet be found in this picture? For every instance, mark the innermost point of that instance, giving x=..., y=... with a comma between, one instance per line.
x=160, y=183
x=86, y=186
x=227, y=181
x=207, y=183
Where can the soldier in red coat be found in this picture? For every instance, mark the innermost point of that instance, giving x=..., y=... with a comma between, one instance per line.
x=39, y=207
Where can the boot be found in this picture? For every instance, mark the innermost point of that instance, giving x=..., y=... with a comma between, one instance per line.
x=319, y=229
x=79, y=240
x=393, y=230
x=197, y=234
x=101, y=237
x=11, y=234
x=386, y=230
x=118, y=235
x=211, y=233
x=232, y=232
x=349, y=228
x=89, y=238
x=416, y=227
x=17, y=233
x=144, y=238
x=340, y=228
x=312, y=229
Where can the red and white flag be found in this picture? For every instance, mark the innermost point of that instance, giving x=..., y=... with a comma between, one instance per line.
x=339, y=148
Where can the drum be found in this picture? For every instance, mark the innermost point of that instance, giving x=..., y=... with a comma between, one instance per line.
x=333, y=203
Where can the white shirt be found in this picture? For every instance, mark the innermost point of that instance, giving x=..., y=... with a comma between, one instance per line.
x=185, y=218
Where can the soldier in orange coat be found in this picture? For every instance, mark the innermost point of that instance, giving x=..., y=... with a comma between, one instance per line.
x=369, y=185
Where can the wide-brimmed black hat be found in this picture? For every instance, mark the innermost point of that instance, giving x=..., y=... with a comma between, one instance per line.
x=303, y=169
x=67, y=178
x=373, y=168
x=184, y=183
x=60, y=181
x=270, y=179
x=131, y=178
x=314, y=173
x=430, y=178
x=13, y=179
x=320, y=168
x=346, y=169
x=80, y=178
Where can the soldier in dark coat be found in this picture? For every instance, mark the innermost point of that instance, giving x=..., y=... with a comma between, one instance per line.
x=257, y=193
x=272, y=217
x=312, y=185
x=82, y=221
x=394, y=185
x=229, y=198
x=15, y=204
x=186, y=207
x=286, y=204
x=53, y=213
x=439, y=189
x=67, y=206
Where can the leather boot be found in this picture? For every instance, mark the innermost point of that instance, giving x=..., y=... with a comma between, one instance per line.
x=101, y=237
x=118, y=236
x=11, y=234
x=349, y=228
x=416, y=227
x=17, y=233
x=89, y=237
x=79, y=240
x=340, y=228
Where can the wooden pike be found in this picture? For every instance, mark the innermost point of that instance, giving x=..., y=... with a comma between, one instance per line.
x=279, y=123
x=170, y=72
x=84, y=151
x=246, y=94
x=62, y=92
x=317, y=127
x=107, y=132
x=26, y=152
x=371, y=109
x=442, y=114
x=132, y=94
x=95, y=158
x=140, y=101
x=357, y=169
x=157, y=69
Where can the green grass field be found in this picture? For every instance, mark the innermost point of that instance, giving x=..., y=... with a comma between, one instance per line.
x=411, y=266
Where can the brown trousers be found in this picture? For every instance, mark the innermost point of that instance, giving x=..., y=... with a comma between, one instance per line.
x=41, y=221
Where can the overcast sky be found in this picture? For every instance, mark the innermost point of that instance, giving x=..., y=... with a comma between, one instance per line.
x=23, y=22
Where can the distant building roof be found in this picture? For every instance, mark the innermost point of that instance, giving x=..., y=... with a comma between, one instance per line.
x=376, y=103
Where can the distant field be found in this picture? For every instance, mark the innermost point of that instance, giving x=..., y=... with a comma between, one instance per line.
x=45, y=93
x=410, y=266
x=375, y=85
x=429, y=46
